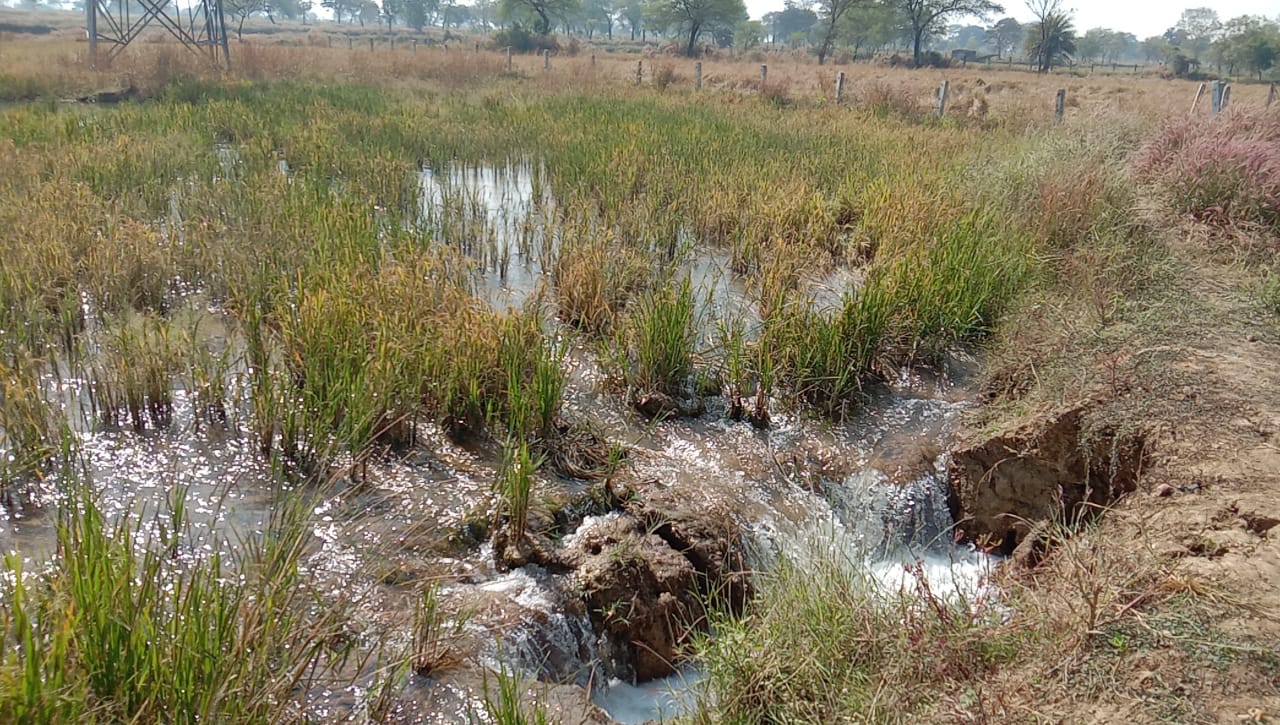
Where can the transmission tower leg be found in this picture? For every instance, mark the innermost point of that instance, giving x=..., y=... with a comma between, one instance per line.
x=91, y=28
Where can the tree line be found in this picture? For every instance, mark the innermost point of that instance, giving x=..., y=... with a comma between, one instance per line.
x=1199, y=41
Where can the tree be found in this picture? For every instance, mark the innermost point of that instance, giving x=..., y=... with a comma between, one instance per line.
x=1248, y=42
x=1005, y=36
x=1050, y=40
x=242, y=9
x=368, y=13
x=599, y=15
x=831, y=14
x=1198, y=27
x=342, y=8
x=924, y=16
x=790, y=20
x=1154, y=48
x=1092, y=45
x=969, y=37
x=417, y=13
x=748, y=34
x=632, y=13
x=483, y=13
x=873, y=26
x=692, y=18
x=543, y=12
x=289, y=9
x=391, y=9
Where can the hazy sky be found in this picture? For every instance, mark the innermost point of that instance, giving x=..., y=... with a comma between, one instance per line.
x=1143, y=18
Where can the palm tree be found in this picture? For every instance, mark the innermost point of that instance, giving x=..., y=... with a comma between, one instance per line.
x=1051, y=41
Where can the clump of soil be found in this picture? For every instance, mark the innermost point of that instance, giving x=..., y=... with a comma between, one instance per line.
x=1050, y=466
x=649, y=575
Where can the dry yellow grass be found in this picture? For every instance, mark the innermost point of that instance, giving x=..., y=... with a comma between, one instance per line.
x=56, y=64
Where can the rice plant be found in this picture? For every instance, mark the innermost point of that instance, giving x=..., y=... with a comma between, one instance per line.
x=515, y=489
x=435, y=633
x=659, y=343
x=130, y=625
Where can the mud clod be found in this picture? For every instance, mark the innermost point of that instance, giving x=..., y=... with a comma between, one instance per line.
x=1048, y=467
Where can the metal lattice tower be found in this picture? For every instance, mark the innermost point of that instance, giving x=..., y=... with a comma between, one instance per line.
x=200, y=26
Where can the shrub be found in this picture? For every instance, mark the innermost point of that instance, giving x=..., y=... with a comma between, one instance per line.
x=665, y=75
x=523, y=40
x=1223, y=171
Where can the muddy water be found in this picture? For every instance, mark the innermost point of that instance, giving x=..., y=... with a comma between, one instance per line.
x=867, y=490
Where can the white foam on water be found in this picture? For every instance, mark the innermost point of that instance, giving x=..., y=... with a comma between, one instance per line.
x=661, y=700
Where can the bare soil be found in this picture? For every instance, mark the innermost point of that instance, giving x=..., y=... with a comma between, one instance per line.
x=1167, y=607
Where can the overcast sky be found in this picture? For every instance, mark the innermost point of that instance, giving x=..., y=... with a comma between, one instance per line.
x=1143, y=18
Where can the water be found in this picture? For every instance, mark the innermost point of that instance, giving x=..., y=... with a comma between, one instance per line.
x=492, y=215
x=867, y=491
x=659, y=700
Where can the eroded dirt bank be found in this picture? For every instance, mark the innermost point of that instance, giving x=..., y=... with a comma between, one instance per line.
x=1166, y=606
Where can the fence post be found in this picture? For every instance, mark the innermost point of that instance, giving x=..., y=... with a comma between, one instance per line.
x=330, y=39
x=1215, y=97
x=415, y=45
x=840, y=87
x=1060, y=107
x=1271, y=95
x=348, y=42
x=697, y=78
x=370, y=45
x=508, y=59
x=593, y=60
x=546, y=60
x=477, y=47
x=639, y=72
x=942, y=98
x=764, y=73
x=1196, y=101
x=1226, y=96
x=393, y=42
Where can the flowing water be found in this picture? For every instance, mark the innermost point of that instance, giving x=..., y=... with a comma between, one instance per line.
x=868, y=490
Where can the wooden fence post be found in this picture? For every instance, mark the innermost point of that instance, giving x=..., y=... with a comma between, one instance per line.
x=1226, y=96
x=942, y=98
x=639, y=72
x=508, y=59
x=1215, y=97
x=1271, y=95
x=764, y=73
x=1196, y=101
x=1060, y=107
x=840, y=87
x=348, y=42
x=330, y=39
x=697, y=78
x=370, y=45
x=546, y=60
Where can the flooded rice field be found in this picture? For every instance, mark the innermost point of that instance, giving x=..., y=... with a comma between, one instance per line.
x=868, y=489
